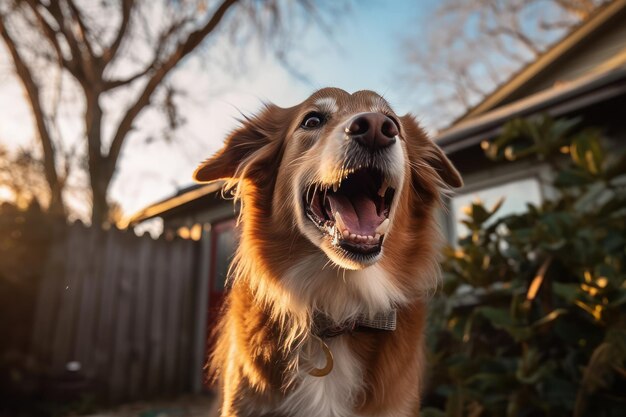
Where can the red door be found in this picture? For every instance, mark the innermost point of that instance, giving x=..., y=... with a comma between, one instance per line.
x=224, y=240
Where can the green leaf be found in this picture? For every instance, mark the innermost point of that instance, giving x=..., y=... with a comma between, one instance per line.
x=568, y=292
x=553, y=315
x=596, y=196
x=572, y=178
x=501, y=319
x=605, y=359
x=587, y=152
x=619, y=300
x=432, y=412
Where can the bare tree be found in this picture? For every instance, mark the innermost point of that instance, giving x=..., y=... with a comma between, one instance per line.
x=120, y=46
x=470, y=47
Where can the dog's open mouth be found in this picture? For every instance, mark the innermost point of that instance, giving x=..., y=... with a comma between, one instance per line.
x=354, y=213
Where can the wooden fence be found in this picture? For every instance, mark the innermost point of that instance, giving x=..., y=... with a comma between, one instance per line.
x=115, y=312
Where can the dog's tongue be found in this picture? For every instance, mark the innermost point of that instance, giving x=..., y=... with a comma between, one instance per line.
x=358, y=212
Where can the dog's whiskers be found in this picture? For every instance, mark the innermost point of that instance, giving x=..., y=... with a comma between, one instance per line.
x=326, y=264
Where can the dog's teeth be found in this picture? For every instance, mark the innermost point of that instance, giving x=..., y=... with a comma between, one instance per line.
x=383, y=188
x=346, y=234
x=339, y=224
x=382, y=229
x=377, y=237
x=335, y=187
x=352, y=236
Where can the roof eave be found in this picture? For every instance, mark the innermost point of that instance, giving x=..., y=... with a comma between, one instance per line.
x=580, y=94
x=549, y=57
x=164, y=206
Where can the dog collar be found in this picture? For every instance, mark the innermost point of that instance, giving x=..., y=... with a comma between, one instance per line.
x=325, y=328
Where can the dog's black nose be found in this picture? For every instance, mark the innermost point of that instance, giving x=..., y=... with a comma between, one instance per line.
x=372, y=130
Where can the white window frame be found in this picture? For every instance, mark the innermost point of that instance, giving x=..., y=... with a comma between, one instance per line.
x=495, y=177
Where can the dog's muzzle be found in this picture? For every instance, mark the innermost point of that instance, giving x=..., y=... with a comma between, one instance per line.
x=354, y=209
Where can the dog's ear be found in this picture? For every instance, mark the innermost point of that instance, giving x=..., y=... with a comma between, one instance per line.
x=420, y=146
x=446, y=171
x=250, y=146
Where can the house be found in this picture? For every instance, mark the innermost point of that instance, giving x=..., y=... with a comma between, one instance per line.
x=584, y=74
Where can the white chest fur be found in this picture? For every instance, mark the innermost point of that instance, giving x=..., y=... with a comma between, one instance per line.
x=341, y=295
x=333, y=395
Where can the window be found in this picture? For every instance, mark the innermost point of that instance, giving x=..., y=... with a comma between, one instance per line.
x=516, y=195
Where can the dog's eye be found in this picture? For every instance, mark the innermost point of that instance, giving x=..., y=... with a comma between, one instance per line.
x=312, y=120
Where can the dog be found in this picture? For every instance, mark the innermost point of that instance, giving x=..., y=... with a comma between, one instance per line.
x=338, y=253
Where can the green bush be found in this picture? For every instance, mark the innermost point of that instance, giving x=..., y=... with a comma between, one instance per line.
x=531, y=319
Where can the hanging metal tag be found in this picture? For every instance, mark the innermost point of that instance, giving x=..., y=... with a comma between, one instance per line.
x=319, y=372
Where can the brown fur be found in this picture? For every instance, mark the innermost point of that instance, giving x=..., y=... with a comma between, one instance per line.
x=266, y=320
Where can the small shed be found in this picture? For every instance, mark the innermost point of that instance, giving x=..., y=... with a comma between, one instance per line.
x=201, y=212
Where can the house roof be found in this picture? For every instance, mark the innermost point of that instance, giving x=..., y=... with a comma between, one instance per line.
x=182, y=196
x=557, y=101
x=519, y=80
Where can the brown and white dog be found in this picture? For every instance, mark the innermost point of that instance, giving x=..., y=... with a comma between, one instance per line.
x=325, y=315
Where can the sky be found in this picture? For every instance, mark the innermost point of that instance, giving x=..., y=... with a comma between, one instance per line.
x=363, y=51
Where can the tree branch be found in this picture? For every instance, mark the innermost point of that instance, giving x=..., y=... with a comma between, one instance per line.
x=54, y=8
x=120, y=82
x=161, y=44
x=83, y=29
x=184, y=48
x=45, y=27
x=34, y=99
x=51, y=35
x=520, y=37
x=80, y=54
x=580, y=9
x=110, y=52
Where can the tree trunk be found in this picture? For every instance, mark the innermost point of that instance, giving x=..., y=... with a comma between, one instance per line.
x=99, y=177
x=56, y=208
x=100, y=205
